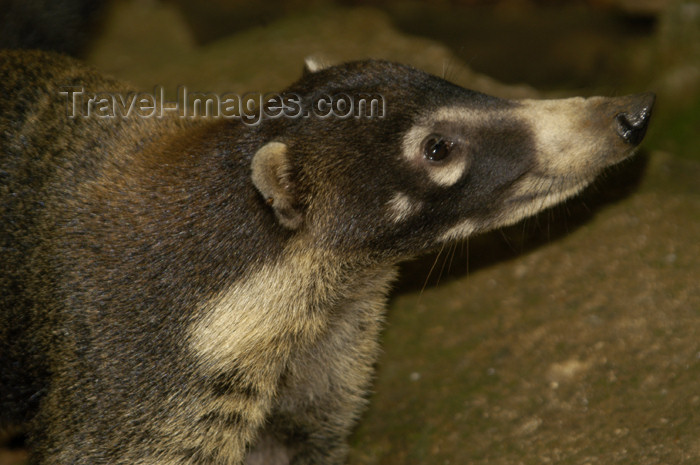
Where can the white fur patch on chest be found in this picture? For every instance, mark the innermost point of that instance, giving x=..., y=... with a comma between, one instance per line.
x=250, y=319
x=262, y=320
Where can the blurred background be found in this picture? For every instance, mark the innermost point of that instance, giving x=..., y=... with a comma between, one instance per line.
x=570, y=338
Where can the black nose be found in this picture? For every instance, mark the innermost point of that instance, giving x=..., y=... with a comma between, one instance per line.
x=632, y=124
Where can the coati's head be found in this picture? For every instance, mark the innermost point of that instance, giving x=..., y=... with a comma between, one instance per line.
x=441, y=163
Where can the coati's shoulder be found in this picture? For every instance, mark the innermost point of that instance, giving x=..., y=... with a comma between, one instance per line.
x=34, y=82
x=37, y=129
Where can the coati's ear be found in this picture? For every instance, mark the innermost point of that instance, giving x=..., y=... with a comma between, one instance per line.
x=271, y=176
x=313, y=64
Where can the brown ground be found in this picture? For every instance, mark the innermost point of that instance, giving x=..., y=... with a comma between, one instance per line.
x=571, y=338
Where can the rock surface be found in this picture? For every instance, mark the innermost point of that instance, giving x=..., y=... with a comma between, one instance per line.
x=267, y=58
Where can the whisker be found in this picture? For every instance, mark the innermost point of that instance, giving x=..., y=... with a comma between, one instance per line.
x=445, y=262
x=430, y=272
x=452, y=256
x=466, y=252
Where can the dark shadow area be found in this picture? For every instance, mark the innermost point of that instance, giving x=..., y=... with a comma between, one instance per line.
x=485, y=250
x=512, y=41
x=65, y=26
x=14, y=441
x=13, y=448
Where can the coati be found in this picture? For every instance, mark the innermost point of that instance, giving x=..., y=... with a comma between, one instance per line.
x=204, y=291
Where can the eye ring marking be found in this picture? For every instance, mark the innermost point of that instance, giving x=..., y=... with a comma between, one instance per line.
x=436, y=148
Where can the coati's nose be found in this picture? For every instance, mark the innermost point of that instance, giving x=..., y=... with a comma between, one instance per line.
x=632, y=124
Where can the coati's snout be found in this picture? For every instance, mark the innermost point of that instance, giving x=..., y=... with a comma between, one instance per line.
x=515, y=159
x=573, y=141
x=577, y=136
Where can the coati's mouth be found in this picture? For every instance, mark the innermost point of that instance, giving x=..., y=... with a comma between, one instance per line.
x=541, y=187
x=539, y=192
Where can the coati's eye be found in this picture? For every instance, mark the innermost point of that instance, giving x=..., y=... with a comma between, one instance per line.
x=436, y=148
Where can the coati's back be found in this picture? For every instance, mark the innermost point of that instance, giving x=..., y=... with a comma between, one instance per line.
x=27, y=124
x=44, y=155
